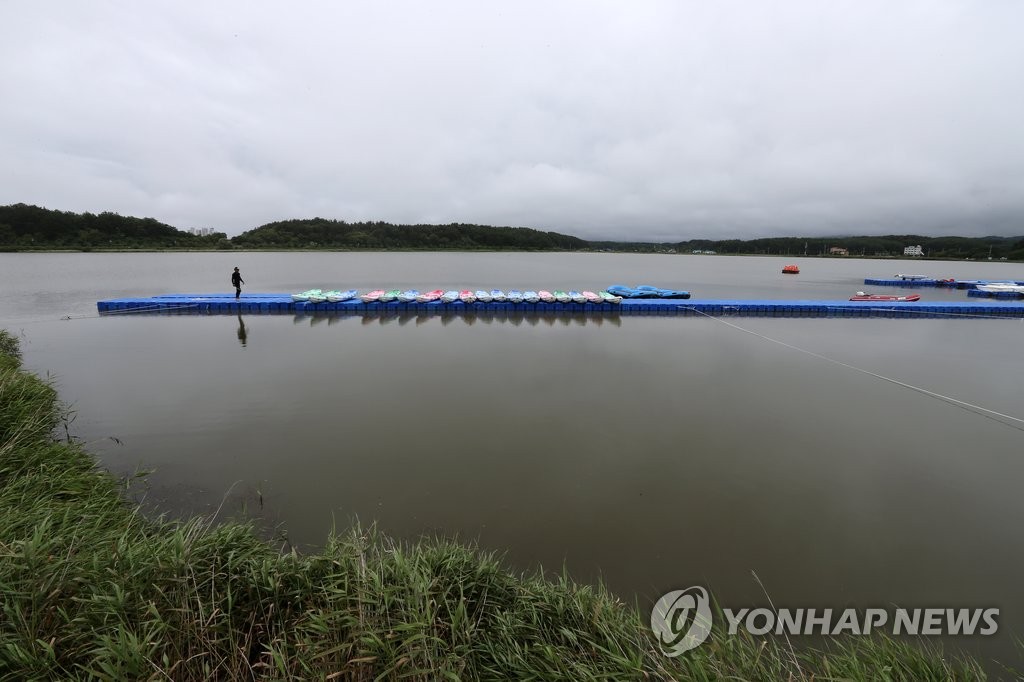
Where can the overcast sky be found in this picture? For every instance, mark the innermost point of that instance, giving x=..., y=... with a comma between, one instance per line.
x=620, y=120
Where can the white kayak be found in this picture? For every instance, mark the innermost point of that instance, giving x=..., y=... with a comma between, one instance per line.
x=339, y=296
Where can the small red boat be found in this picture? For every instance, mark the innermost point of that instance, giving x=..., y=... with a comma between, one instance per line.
x=861, y=296
x=790, y=270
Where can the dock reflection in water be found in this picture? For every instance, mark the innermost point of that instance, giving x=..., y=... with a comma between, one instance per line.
x=515, y=318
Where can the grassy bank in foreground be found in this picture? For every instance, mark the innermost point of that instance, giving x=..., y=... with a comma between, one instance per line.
x=93, y=589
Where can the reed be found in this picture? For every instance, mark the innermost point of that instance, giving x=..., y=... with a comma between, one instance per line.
x=93, y=589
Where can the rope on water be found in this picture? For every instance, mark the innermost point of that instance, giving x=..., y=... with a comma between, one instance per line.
x=970, y=407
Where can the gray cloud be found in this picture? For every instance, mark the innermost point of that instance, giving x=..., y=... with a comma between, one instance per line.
x=647, y=120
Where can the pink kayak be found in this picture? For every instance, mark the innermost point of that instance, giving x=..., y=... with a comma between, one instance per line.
x=429, y=296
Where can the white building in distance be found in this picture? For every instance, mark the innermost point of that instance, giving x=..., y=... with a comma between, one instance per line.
x=913, y=251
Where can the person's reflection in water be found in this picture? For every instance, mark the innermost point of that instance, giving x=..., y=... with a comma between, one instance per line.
x=242, y=333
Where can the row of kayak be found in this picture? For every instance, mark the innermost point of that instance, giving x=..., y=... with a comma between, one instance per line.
x=465, y=296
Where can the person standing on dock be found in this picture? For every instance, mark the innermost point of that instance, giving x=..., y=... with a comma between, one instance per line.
x=237, y=282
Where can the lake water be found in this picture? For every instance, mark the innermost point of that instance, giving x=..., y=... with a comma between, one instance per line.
x=653, y=453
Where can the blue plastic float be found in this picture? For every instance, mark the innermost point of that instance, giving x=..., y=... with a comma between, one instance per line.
x=269, y=304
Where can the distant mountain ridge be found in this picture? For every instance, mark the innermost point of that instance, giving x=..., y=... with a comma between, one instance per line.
x=25, y=227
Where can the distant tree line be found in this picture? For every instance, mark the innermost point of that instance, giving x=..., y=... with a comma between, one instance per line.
x=31, y=227
x=24, y=227
x=977, y=248
x=888, y=246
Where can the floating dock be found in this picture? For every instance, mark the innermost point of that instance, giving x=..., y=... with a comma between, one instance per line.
x=1006, y=295
x=952, y=284
x=270, y=304
x=908, y=283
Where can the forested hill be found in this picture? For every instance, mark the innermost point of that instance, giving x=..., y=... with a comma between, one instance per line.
x=32, y=227
x=338, y=234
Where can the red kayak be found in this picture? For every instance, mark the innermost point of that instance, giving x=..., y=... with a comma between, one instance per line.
x=861, y=296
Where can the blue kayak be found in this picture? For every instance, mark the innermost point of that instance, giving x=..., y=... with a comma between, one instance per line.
x=339, y=296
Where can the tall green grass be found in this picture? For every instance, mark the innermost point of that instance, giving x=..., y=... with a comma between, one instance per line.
x=92, y=589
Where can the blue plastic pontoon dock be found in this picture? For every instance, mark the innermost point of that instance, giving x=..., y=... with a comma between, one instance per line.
x=268, y=304
x=952, y=284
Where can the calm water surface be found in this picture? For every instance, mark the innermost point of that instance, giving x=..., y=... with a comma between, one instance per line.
x=653, y=453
